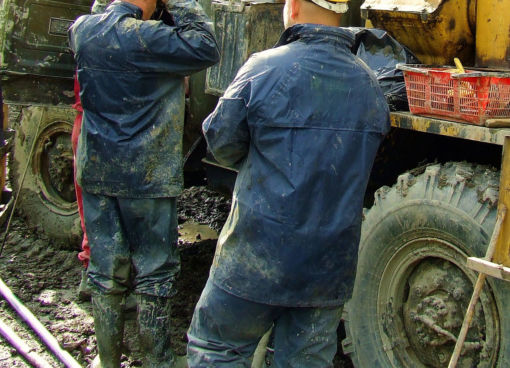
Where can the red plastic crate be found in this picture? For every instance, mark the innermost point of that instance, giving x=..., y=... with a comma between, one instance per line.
x=472, y=97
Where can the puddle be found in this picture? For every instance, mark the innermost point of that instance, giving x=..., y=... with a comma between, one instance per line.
x=191, y=232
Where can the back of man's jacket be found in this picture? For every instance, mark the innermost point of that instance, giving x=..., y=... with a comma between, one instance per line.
x=304, y=121
x=131, y=74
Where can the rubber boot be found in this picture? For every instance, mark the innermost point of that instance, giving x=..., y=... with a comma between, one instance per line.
x=84, y=292
x=155, y=334
x=109, y=327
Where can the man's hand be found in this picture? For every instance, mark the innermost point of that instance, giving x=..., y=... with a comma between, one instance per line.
x=161, y=13
x=161, y=4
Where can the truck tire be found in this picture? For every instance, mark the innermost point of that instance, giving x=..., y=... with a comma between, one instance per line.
x=412, y=285
x=47, y=199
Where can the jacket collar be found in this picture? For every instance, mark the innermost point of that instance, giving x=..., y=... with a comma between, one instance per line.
x=125, y=8
x=316, y=32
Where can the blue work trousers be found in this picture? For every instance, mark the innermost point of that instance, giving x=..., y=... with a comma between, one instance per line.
x=133, y=244
x=225, y=331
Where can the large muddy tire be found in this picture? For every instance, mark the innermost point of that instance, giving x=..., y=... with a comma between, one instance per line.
x=412, y=286
x=47, y=199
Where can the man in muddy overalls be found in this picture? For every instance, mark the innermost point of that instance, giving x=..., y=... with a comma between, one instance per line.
x=99, y=6
x=131, y=73
x=302, y=122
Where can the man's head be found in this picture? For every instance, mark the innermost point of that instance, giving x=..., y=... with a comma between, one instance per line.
x=326, y=12
x=148, y=6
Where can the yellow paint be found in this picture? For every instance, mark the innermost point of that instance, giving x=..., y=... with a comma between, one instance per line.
x=451, y=131
x=405, y=120
x=493, y=34
x=502, y=252
x=436, y=38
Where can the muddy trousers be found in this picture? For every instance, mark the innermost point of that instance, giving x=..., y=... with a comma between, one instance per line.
x=133, y=244
x=225, y=331
x=133, y=248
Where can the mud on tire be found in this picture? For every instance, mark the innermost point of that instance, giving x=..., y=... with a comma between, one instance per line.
x=412, y=285
x=47, y=199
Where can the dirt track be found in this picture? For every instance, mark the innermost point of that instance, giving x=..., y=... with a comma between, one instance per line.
x=46, y=280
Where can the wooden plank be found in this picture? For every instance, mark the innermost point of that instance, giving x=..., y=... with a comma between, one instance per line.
x=432, y=125
x=489, y=268
x=480, y=281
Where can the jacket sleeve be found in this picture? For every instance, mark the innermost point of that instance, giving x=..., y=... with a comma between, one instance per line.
x=187, y=47
x=226, y=128
x=99, y=6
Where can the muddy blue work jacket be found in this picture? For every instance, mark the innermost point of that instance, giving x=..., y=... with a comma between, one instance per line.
x=131, y=74
x=302, y=122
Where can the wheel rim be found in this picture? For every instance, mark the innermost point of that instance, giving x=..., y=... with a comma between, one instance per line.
x=423, y=295
x=52, y=164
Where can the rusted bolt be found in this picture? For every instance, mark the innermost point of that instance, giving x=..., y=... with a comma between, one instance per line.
x=417, y=291
x=442, y=357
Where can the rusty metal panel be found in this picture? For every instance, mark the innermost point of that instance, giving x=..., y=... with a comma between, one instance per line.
x=35, y=61
x=436, y=31
x=35, y=36
x=241, y=30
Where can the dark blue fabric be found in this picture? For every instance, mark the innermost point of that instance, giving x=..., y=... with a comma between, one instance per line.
x=225, y=331
x=302, y=122
x=132, y=234
x=131, y=74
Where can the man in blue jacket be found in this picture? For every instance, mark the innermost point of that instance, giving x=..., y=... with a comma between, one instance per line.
x=129, y=162
x=302, y=122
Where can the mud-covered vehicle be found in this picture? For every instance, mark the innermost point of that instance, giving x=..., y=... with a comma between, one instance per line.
x=438, y=196
x=433, y=196
x=37, y=71
x=436, y=180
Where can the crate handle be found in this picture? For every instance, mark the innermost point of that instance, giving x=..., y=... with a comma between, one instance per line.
x=478, y=74
x=408, y=68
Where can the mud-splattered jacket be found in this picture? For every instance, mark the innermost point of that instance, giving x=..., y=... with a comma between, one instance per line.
x=131, y=74
x=303, y=122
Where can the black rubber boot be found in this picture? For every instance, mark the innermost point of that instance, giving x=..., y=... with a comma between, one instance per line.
x=109, y=327
x=155, y=333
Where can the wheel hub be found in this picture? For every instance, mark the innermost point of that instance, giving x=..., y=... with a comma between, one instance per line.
x=426, y=289
x=53, y=167
x=434, y=311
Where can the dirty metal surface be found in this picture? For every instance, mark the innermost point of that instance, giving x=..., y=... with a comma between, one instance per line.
x=406, y=120
x=502, y=252
x=411, y=6
x=492, y=31
x=241, y=30
x=34, y=36
x=436, y=31
x=35, y=61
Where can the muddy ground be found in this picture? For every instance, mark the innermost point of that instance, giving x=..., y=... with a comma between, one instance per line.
x=46, y=281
